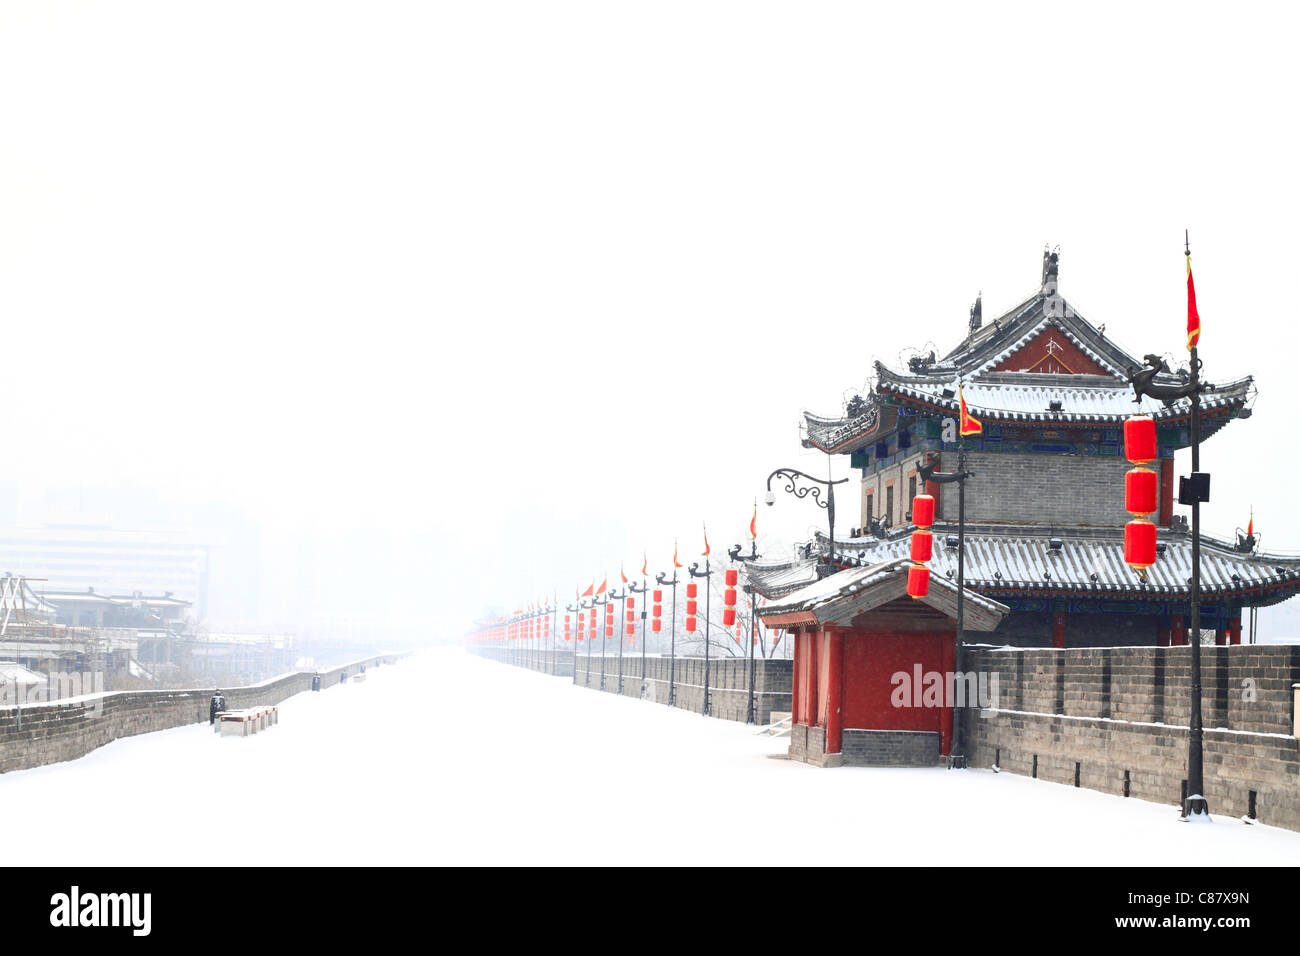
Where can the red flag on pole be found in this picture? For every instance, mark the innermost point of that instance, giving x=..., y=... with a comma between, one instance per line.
x=644, y=562
x=753, y=524
x=588, y=592
x=705, y=552
x=603, y=582
x=1193, y=317
x=621, y=574
x=969, y=424
x=676, y=563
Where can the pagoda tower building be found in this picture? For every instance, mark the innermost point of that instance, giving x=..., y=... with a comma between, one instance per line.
x=1044, y=517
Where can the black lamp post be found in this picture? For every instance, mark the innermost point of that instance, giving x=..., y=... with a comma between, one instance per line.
x=576, y=610
x=1192, y=492
x=641, y=591
x=620, y=630
x=927, y=474
x=706, y=574
x=672, y=646
x=791, y=476
x=610, y=598
x=753, y=555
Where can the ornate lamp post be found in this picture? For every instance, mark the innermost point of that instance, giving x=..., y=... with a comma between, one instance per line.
x=791, y=476
x=672, y=647
x=927, y=474
x=576, y=610
x=753, y=555
x=610, y=598
x=641, y=591
x=1192, y=491
x=706, y=574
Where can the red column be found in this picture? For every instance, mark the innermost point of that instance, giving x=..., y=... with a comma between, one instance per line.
x=814, y=667
x=798, y=676
x=1234, y=629
x=1178, y=631
x=1058, y=629
x=834, y=689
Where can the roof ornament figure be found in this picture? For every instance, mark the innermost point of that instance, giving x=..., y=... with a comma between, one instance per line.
x=919, y=363
x=977, y=313
x=1051, y=265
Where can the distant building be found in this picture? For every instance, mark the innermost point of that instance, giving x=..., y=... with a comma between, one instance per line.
x=77, y=559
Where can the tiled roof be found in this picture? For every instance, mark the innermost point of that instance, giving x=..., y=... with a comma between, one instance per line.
x=1004, y=560
x=778, y=580
x=852, y=584
x=1024, y=396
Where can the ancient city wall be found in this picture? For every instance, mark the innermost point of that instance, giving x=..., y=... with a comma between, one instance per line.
x=1115, y=720
x=36, y=734
x=728, y=679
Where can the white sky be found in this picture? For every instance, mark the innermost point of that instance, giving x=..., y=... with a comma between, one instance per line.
x=518, y=290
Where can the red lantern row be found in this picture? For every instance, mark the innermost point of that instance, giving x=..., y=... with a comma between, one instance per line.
x=691, y=591
x=658, y=611
x=729, y=601
x=1141, y=492
x=918, y=575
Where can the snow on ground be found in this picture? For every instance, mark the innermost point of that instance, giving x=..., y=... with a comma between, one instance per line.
x=450, y=759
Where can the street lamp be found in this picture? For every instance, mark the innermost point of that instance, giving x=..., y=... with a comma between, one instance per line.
x=576, y=610
x=735, y=555
x=610, y=598
x=791, y=476
x=641, y=591
x=706, y=574
x=1193, y=492
x=926, y=471
x=672, y=647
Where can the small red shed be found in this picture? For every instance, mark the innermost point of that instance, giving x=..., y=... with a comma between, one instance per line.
x=875, y=676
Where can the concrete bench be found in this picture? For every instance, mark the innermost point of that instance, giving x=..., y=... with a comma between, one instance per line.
x=241, y=723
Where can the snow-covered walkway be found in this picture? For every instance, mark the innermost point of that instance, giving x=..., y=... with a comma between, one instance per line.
x=450, y=759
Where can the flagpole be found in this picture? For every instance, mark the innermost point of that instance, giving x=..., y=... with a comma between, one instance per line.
x=1196, y=803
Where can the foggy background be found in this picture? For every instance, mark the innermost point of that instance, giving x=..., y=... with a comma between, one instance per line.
x=411, y=312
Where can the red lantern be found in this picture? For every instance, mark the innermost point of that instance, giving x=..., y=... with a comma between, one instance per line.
x=729, y=617
x=659, y=596
x=631, y=629
x=922, y=546
x=918, y=581
x=609, y=630
x=690, y=624
x=631, y=602
x=729, y=597
x=655, y=624
x=1140, y=440
x=691, y=607
x=1141, y=491
x=1140, y=543
x=731, y=577
x=923, y=511
x=631, y=616
x=658, y=611
x=690, y=590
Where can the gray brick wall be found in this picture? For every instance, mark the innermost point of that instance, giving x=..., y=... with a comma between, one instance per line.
x=1112, y=710
x=1024, y=489
x=728, y=680
x=890, y=748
